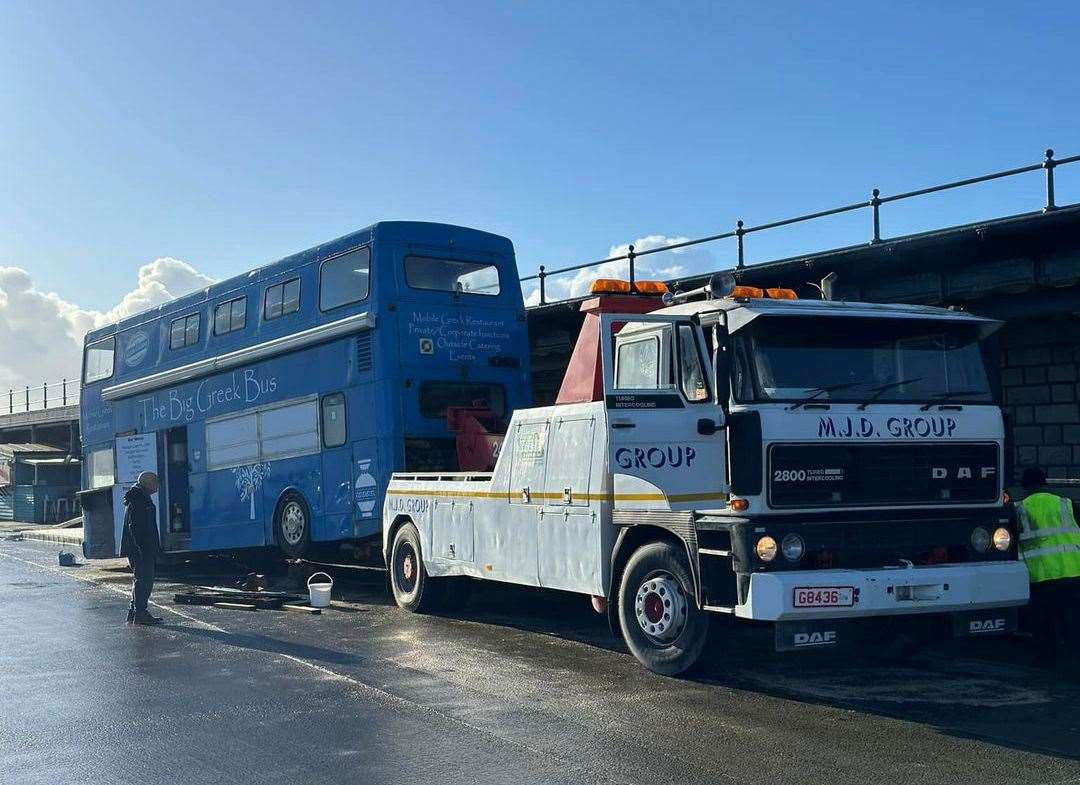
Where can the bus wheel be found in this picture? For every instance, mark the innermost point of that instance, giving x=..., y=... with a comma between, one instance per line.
x=413, y=589
x=292, y=525
x=658, y=615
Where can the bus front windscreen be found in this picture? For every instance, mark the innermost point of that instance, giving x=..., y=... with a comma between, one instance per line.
x=848, y=359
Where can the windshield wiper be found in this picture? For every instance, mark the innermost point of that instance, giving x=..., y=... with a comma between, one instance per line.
x=877, y=391
x=815, y=392
x=947, y=395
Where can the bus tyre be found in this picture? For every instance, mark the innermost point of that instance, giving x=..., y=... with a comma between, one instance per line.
x=413, y=589
x=658, y=615
x=292, y=525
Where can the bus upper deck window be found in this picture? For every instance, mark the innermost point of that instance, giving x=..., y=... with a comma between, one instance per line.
x=282, y=299
x=230, y=316
x=99, y=361
x=184, y=331
x=449, y=275
x=345, y=279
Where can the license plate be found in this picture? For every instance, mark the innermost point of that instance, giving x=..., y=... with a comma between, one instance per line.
x=824, y=596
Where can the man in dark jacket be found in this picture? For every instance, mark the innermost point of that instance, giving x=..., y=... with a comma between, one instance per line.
x=141, y=542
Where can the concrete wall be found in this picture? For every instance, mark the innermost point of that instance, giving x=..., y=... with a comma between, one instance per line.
x=1040, y=378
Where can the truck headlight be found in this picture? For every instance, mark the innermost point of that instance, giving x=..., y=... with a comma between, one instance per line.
x=766, y=548
x=980, y=540
x=1002, y=538
x=792, y=547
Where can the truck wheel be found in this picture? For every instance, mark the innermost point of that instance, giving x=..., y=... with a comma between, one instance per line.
x=292, y=525
x=658, y=615
x=413, y=589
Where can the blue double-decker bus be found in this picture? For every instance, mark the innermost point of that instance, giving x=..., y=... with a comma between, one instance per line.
x=274, y=405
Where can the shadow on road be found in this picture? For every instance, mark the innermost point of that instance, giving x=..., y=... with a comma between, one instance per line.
x=979, y=691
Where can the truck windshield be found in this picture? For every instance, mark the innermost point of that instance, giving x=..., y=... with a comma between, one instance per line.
x=847, y=359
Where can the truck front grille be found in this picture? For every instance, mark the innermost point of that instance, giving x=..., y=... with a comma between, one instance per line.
x=847, y=475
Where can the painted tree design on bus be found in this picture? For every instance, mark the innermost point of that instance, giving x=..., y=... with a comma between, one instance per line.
x=249, y=479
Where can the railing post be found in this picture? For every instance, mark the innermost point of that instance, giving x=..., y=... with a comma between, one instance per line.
x=63, y=392
x=1049, y=165
x=738, y=239
x=630, y=255
x=11, y=401
x=875, y=206
x=542, y=275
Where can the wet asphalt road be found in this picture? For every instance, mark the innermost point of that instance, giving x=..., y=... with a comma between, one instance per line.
x=522, y=687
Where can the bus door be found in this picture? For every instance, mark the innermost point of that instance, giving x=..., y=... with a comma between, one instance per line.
x=348, y=471
x=177, y=512
x=666, y=432
x=336, y=466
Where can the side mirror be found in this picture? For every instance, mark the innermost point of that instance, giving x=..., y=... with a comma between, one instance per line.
x=721, y=365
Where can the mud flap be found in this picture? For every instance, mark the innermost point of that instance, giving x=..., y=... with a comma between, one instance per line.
x=808, y=635
x=974, y=624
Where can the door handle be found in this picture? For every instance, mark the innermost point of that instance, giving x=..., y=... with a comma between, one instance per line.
x=707, y=427
x=623, y=424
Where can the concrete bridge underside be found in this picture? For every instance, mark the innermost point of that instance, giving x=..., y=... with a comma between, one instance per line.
x=57, y=427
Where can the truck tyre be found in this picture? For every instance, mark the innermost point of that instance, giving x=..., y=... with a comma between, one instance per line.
x=413, y=589
x=658, y=614
x=292, y=525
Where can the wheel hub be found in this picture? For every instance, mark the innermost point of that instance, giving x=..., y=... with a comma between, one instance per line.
x=407, y=568
x=660, y=606
x=654, y=608
x=292, y=523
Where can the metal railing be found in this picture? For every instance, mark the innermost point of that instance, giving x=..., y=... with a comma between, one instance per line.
x=874, y=203
x=48, y=395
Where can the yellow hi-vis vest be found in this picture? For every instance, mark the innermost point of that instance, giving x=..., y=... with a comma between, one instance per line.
x=1049, y=537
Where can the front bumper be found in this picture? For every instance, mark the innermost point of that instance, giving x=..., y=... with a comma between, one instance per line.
x=889, y=591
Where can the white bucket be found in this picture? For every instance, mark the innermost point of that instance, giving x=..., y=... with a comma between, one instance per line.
x=319, y=593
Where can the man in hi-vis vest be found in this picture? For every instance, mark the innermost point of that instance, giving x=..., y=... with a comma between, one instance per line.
x=1050, y=547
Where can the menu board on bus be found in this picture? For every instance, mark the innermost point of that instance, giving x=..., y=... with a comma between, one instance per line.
x=134, y=455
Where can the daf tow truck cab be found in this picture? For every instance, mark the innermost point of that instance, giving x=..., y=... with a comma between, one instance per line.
x=741, y=453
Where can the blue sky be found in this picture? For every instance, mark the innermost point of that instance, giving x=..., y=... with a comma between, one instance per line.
x=230, y=134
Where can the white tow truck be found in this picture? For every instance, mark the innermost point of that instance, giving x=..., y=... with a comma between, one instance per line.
x=821, y=466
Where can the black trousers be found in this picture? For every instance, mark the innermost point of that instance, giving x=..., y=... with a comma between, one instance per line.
x=1055, y=616
x=143, y=566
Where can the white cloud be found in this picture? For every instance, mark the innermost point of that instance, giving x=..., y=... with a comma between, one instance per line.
x=41, y=333
x=162, y=280
x=663, y=265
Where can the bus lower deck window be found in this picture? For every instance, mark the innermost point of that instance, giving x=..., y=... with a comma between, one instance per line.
x=99, y=468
